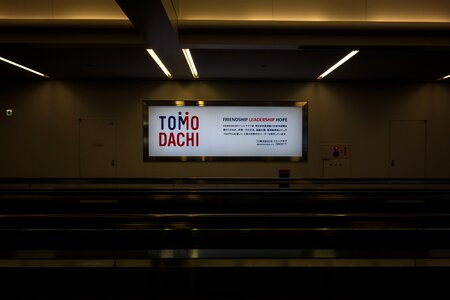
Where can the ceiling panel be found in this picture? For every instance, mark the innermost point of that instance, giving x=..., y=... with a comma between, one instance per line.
x=408, y=11
x=8, y=71
x=88, y=9
x=226, y=50
x=83, y=62
x=395, y=64
x=318, y=10
x=215, y=64
x=61, y=9
x=264, y=64
x=25, y=9
x=225, y=10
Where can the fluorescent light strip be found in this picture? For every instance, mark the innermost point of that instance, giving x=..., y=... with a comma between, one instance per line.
x=23, y=67
x=445, y=77
x=190, y=62
x=159, y=62
x=347, y=57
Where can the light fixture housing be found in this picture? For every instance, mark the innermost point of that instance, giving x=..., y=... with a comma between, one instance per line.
x=335, y=66
x=190, y=61
x=23, y=67
x=159, y=62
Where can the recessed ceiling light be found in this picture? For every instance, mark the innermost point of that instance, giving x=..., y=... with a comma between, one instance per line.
x=159, y=62
x=190, y=62
x=445, y=77
x=23, y=67
x=343, y=60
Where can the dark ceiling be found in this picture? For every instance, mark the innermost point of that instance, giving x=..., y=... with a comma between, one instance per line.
x=237, y=52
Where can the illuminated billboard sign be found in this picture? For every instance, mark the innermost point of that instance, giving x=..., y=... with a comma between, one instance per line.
x=225, y=130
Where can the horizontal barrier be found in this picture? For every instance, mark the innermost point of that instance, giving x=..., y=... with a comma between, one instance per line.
x=222, y=182
x=224, y=263
x=233, y=227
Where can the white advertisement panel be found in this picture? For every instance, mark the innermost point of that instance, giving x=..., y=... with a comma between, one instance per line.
x=225, y=131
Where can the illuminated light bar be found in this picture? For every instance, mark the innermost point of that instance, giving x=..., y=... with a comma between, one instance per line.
x=23, y=67
x=347, y=57
x=190, y=62
x=159, y=62
x=445, y=77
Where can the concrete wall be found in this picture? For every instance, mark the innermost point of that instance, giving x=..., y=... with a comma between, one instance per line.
x=41, y=139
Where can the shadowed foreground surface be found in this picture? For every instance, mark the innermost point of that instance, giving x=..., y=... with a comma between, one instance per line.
x=236, y=283
x=281, y=239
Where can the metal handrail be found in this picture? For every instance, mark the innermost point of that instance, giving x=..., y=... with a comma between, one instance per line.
x=218, y=180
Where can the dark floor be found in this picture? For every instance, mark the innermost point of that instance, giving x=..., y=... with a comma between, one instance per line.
x=408, y=228
x=224, y=283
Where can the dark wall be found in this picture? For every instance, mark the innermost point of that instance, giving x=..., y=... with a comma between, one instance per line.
x=42, y=138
